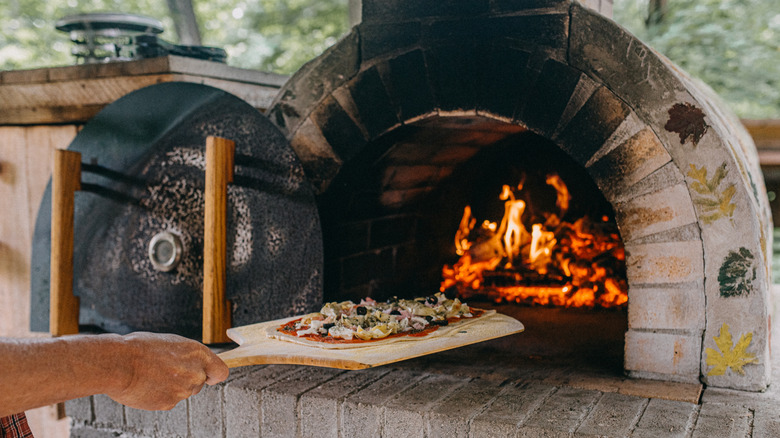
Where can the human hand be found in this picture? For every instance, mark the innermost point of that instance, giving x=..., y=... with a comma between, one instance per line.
x=159, y=370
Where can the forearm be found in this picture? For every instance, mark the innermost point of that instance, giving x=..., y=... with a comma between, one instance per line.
x=39, y=372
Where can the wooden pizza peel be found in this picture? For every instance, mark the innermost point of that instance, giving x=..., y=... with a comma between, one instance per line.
x=257, y=348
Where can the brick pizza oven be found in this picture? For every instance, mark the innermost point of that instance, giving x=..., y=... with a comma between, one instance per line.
x=421, y=92
x=428, y=106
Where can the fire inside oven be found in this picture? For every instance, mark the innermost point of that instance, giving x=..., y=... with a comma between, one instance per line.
x=499, y=216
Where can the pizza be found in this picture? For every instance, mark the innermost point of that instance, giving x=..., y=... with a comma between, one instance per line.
x=347, y=324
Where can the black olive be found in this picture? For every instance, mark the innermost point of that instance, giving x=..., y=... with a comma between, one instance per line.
x=395, y=312
x=429, y=318
x=441, y=322
x=328, y=325
x=361, y=310
x=432, y=300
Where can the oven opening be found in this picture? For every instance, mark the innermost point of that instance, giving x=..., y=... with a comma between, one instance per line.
x=493, y=214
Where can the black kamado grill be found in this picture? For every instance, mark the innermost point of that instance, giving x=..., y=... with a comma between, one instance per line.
x=138, y=222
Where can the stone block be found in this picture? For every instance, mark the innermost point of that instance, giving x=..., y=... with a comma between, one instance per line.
x=723, y=421
x=766, y=422
x=674, y=355
x=108, y=413
x=530, y=32
x=80, y=409
x=378, y=39
x=407, y=83
x=593, y=124
x=613, y=416
x=243, y=399
x=310, y=84
x=167, y=424
x=667, y=308
x=510, y=408
x=666, y=419
x=609, y=54
x=375, y=111
x=561, y=413
x=405, y=415
x=363, y=411
x=664, y=263
x=666, y=176
x=280, y=400
x=451, y=418
x=677, y=391
x=653, y=213
x=318, y=159
x=403, y=10
x=207, y=413
x=630, y=162
x=321, y=407
x=339, y=129
x=455, y=71
x=506, y=80
x=549, y=97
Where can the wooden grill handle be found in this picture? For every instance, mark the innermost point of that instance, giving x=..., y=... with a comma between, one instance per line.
x=220, y=154
x=63, y=306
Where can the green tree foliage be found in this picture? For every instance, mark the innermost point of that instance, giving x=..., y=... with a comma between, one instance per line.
x=731, y=45
x=270, y=35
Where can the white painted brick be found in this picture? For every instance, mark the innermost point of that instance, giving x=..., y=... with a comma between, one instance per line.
x=654, y=213
x=662, y=353
x=405, y=413
x=661, y=263
x=666, y=308
x=243, y=399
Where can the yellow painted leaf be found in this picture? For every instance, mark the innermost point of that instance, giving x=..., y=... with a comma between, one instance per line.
x=730, y=355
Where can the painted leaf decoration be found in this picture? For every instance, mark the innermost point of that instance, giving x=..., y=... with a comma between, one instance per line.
x=714, y=204
x=729, y=356
x=687, y=121
x=737, y=273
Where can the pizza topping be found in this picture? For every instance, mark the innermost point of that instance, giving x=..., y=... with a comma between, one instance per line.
x=372, y=320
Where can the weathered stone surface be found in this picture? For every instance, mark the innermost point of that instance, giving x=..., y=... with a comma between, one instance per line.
x=613, y=416
x=80, y=409
x=313, y=82
x=723, y=421
x=511, y=407
x=669, y=308
x=108, y=412
x=372, y=102
x=280, y=416
x=406, y=416
x=673, y=355
x=666, y=419
x=322, y=406
x=363, y=412
x=653, y=213
x=549, y=97
x=243, y=399
x=561, y=413
x=407, y=83
x=660, y=263
x=592, y=125
x=451, y=418
x=171, y=423
x=629, y=163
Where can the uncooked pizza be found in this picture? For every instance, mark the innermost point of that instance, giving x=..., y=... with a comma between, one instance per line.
x=347, y=324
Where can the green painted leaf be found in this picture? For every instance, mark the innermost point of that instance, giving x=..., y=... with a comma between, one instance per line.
x=737, y=273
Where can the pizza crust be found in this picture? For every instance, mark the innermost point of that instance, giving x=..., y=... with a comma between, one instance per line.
x=273, y=332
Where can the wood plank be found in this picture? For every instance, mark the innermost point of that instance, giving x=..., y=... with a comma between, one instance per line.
x=765, y=133
x=79, y=100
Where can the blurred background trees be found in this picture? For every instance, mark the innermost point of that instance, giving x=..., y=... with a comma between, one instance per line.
x=732, y=45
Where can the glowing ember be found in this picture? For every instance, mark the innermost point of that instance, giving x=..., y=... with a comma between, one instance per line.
x=559, y=263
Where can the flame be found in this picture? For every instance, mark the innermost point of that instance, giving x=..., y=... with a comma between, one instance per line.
x=558, y=263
